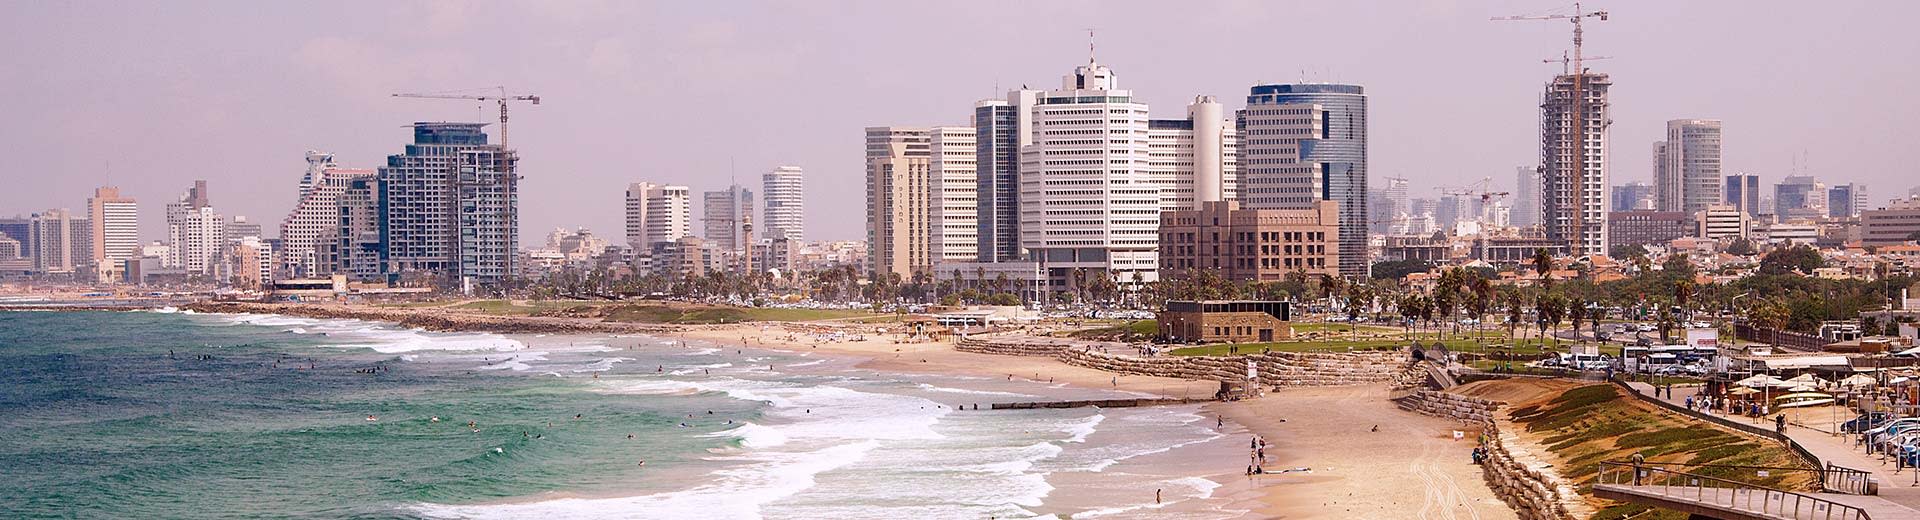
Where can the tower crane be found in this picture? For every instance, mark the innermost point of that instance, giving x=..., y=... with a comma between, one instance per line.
x=1478, y=189
x=1564, y=61
x=503, y=98
x=1578, y=31
x=1578, y=230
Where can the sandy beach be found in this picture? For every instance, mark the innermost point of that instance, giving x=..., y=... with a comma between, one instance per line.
x=1411, y=468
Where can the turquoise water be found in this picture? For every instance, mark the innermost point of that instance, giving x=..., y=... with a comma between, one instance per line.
x=174, y=415
x=117, y=414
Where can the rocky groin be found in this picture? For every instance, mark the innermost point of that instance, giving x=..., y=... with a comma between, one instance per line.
x=1272, y=369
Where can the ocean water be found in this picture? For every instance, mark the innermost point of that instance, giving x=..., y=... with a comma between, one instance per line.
x=177, y=415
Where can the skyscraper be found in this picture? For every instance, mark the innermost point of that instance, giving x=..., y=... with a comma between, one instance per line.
x=1743, y=193
x=657, y=213
x=315, y=219
x=1001, y=127
x=1634, y=195
x=115, y=222
x=724, y=214
x=53, y=234
x=898, y=160
x=1846, y=200
x=195, y=231
x=953, y=198
x=1090, y=139
x=1573, y=146
x=1799, y=197
x=451, y=206
x=1397, y=210
x=1688, y=173
x=1301, y=143
x=1526, y=196
x=1194, y=159
x=783, y=196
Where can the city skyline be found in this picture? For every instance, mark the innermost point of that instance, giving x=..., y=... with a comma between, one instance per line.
x=114, y=78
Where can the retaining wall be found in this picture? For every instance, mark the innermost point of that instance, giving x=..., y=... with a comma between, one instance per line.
x=1273, y=368
x=1527, y=482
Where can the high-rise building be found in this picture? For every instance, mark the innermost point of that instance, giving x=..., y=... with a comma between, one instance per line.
x=1573, y=150
x=315, y=219
x=1001, y=127
x=356, y=247
x=1251, y=244
x=953, y=198
x=898, y=160
x=1846, y=200
x=1687, y=172
x=1743, y=191
x=239, y=227
x=1526, y=196
x=783, y=202
x=195, y=232
x=1393, y=218
x=57, y=248
x=1634, y=196
x=1194, y=160
x=451, y=210
x=115, y=222
x=1895, y=224
x=1087, y=202
x=657, y=213
x=725, y=214
x=1302, y=143
x=1724, y=221
x=1799, y=197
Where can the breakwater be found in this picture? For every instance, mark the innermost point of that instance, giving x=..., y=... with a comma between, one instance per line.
x=435, y=319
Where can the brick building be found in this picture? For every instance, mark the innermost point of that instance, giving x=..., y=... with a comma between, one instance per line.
x=1251, y=244
x=1236, y=321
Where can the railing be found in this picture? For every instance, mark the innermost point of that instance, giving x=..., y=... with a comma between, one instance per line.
x=1723, y=493
x=1851, y=481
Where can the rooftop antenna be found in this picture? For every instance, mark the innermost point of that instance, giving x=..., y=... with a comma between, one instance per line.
x=1090, y=46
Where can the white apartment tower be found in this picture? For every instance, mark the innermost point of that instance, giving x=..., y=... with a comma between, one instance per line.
x=1526, y=196
x=1194, y=160
x=315, y=219
x=725, y=212
x=195, y=232
x=953, y=202
x=898, y=163
x=1687, y=169
x=657, y=213
x=1088, y=200
x=116, y=231
x=783, y=203
x=1573, y=158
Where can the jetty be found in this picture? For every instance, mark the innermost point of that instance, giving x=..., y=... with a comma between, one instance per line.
x=1103, y=403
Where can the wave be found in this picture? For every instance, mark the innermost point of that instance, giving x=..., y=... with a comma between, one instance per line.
x=737, y=493
x=698, y=369
x=1080, y=431
x=932, y=388
x=602, y=365
x=754, y=436
x=807, y=364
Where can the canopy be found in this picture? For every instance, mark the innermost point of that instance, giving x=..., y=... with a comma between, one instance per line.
x=1807, y=379
x=1806, y=362
x=1858, y=380
x=1759, y=380
x=1743, y=391
x=1802, y=388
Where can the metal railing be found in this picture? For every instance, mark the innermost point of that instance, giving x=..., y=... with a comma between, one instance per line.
x=1723, y=493
x=1841, y=479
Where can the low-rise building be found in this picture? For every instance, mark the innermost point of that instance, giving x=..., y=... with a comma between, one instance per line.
x=1639, y=228
x=1219, y=320
x=1723, y=221
x=1894, y=224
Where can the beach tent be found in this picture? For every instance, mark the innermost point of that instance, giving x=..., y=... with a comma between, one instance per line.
x=1759, y=381
x=1743, y=391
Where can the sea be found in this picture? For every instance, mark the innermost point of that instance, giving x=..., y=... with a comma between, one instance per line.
x=171, y=414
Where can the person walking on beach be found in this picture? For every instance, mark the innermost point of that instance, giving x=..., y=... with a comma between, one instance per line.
x=1156, y=496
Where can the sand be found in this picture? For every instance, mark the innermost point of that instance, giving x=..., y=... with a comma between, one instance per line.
x=1411, y=468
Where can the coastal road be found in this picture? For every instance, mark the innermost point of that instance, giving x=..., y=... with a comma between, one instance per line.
x=1410, y=468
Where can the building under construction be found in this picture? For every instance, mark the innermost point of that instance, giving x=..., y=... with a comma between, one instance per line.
x=1573, y=161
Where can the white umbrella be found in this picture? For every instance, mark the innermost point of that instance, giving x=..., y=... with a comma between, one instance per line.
x=1858, y=380
x=1759, y=380
x=1802, y=388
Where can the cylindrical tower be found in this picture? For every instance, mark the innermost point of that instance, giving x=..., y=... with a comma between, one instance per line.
x=1209, y=179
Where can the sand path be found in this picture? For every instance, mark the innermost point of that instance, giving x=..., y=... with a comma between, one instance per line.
x=1411, y=468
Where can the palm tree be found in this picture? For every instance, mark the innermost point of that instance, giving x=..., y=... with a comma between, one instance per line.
x=1543, y=264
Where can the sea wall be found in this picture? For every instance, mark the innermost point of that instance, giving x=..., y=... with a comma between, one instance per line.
x=1272, y=368
x=1527, y=482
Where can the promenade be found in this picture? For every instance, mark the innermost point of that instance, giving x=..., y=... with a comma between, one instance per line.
x=1896, y=487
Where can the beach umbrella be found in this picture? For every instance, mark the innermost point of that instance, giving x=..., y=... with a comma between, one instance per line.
x=1743, y=391
x=1759, y=380
x=1802, y=388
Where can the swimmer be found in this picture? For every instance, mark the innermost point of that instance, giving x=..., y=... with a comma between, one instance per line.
x=642, y=463
x=436, y=418
x=578, y=415
x=372, y=418
x=629, y=436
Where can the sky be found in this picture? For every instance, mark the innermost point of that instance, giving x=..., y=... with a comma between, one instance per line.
x=149, y=96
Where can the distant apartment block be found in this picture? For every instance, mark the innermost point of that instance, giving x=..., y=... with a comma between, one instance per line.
x=1648, y=227
x=783, y=200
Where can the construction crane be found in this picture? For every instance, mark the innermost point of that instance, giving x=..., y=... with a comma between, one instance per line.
x=1479, y=189
x=1564, y=61
x=1578, y=230
x=503, y=98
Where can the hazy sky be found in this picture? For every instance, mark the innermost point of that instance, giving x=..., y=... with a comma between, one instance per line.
x=675, y=92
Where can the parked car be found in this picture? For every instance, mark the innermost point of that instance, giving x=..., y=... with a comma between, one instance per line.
x=1865, y=422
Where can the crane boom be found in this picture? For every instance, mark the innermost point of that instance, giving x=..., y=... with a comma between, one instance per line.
x=502, y=99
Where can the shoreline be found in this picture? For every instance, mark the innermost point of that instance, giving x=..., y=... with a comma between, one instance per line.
x=1291, y=495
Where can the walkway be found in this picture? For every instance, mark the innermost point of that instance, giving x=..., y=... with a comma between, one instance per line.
x=1751, y=504
x=1895, y=487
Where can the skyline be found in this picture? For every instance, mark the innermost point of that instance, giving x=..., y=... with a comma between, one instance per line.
x=673, y=94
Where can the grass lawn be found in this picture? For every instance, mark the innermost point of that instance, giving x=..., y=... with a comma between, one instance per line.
x=1590, y=424
x=1342, y=328
x=1147, y=328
